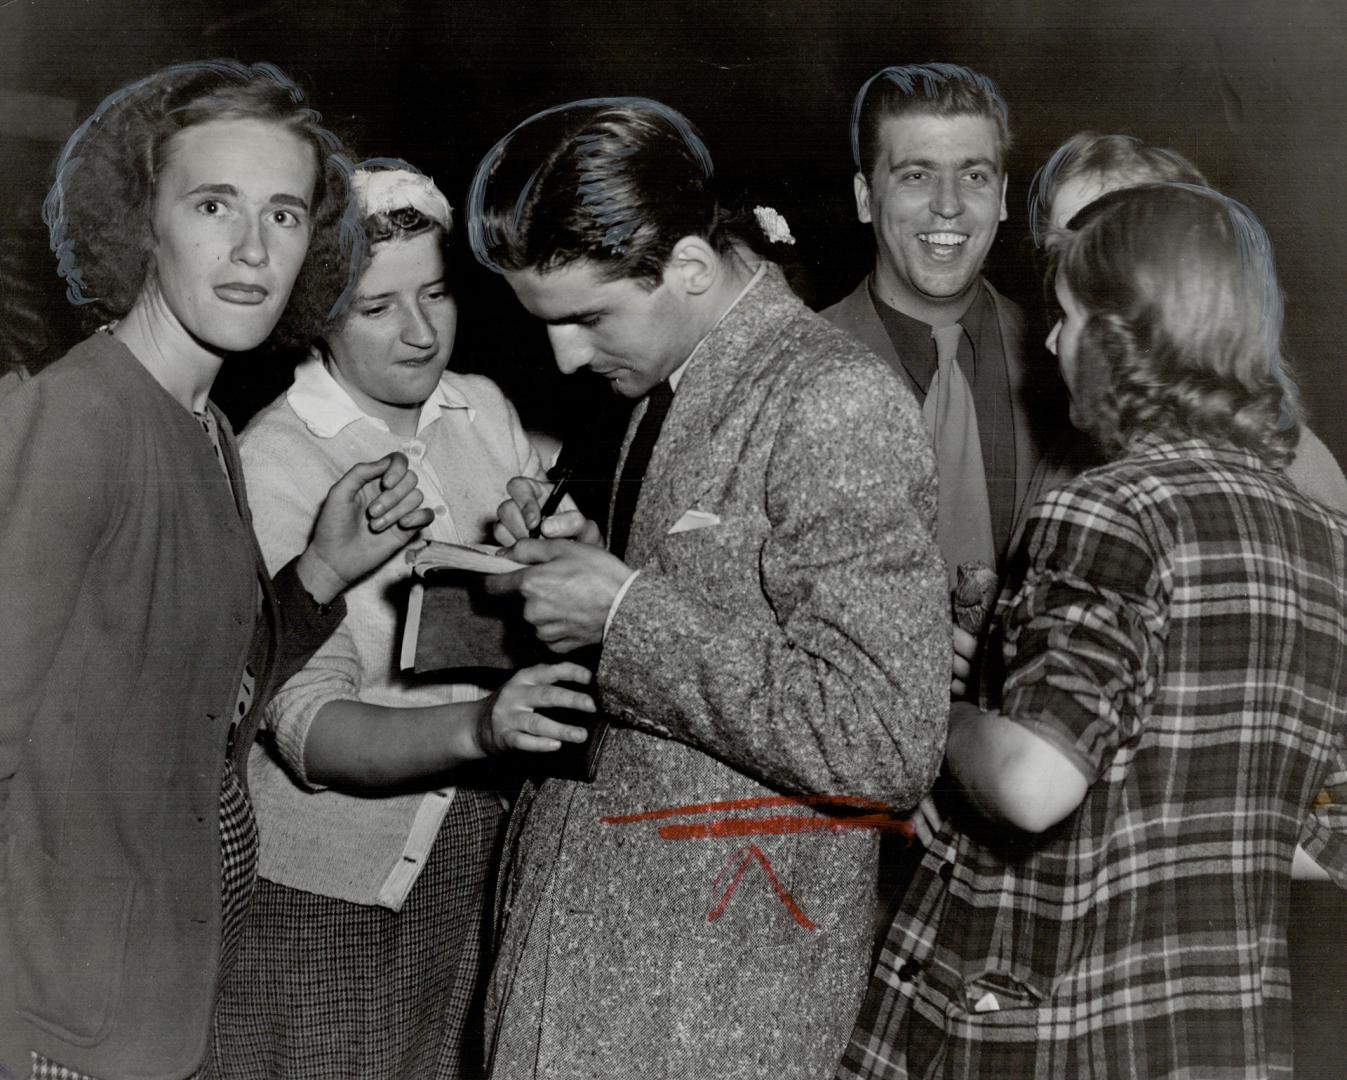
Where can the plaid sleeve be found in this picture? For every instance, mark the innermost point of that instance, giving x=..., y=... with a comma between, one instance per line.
x=1083, y=635
x=1323, y=833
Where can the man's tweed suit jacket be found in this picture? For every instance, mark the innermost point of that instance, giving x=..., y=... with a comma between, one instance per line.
x=800, y=644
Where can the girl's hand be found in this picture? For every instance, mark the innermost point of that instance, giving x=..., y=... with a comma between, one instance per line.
x=965, y=653
x=510, y=720
x=926, y=821
x=369, y=515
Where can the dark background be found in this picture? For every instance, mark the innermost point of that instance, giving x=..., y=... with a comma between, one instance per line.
x=1254, y=92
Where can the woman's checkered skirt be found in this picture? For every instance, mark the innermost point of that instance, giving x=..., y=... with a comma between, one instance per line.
x=324, y=988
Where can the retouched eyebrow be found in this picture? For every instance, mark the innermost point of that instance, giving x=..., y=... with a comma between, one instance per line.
x=229, y=189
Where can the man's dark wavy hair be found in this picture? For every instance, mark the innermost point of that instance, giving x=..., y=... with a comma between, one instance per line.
x=99, y=209
x=612, y=181
x=1185, y=314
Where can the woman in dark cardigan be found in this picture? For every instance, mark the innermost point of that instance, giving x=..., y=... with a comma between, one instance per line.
x=140, y=630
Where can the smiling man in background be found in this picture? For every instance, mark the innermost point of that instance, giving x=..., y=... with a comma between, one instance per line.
x=929, y=142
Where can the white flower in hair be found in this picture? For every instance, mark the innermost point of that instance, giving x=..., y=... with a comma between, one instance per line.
x=381, y=191
x=773, y=225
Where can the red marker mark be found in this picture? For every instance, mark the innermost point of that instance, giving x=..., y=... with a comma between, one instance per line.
x=782, y=825
x=751, y=852
x=846, y=816
x=762, y=802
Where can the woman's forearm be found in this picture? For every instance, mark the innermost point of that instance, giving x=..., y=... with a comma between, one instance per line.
x=1010, y=774
x=353, y=744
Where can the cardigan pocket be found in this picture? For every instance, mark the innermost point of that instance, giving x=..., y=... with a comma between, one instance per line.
x=68, y=953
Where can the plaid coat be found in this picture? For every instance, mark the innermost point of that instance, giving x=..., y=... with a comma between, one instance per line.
x=1181, y=636
x=798, y=642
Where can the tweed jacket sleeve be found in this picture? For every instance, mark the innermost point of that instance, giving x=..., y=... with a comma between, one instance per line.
x=805, y=639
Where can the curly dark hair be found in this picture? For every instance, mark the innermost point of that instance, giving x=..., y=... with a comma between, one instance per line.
x=613, y=181
x=99, y=208
x=1185, y=315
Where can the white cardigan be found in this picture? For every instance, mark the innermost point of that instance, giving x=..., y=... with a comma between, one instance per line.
x=469, y=443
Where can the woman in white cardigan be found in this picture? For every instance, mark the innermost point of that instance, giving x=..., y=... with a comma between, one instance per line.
x=363, y=950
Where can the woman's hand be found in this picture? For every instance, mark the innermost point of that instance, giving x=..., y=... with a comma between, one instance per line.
x=926, y=820
x=522, y=511
x=368, y=516
x=965, y=652
x=510, y=722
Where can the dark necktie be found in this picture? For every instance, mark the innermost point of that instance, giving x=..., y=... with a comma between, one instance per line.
x=964, y=523
x=581, y=762
x=634, y=467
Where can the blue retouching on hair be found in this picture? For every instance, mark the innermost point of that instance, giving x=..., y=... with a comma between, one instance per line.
x=1044, y=181
x=1255, y=251
x=484, y=236
x=600, y=194
x=53, y=205
x=351, y=235
x=1254, y=248
x=932, y=76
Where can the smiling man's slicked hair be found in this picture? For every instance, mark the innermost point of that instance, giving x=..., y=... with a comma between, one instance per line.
x=929, y=89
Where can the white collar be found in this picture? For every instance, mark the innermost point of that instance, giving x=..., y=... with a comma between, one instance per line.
x=326, y=408
x=678, y=372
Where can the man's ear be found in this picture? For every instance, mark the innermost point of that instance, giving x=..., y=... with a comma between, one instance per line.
x=862, y=188
x=694, y=265
x=1005, y=184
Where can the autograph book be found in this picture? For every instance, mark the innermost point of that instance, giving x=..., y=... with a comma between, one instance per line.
x=457, y=630
x=452, y=622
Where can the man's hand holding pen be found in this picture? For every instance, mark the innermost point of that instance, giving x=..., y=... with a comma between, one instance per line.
x=570, y=581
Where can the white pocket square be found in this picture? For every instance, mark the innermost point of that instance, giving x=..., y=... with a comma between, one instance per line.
x=694, y=519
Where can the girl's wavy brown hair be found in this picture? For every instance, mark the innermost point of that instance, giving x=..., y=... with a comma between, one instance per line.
x=1185, y=316
x=99, y=208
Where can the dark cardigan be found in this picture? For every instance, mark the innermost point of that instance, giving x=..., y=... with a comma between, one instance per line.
x=129, y=584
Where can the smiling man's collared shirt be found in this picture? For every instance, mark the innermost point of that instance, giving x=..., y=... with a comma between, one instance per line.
x=982, y=359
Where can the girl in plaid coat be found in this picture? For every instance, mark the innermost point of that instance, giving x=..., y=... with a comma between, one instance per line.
x=1105, y=893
